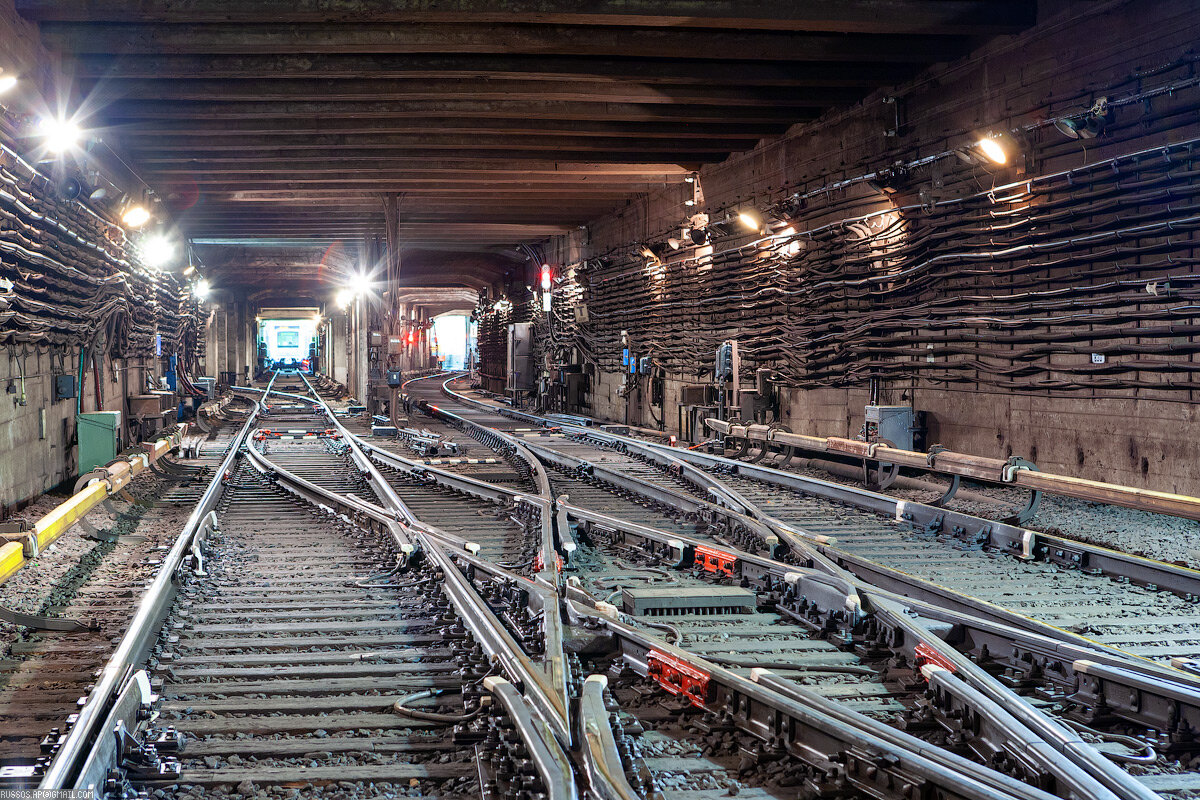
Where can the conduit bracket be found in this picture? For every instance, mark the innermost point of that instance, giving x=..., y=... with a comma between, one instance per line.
x=1016, y=464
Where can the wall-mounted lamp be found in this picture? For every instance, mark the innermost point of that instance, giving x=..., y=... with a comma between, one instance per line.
x=998, y=147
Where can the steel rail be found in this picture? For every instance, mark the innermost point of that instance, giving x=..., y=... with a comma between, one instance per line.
x=382, y=488
x=769, y=714
x=732, y=508
x=1019, y=541
x=549, y=758
x=1065, y=741
x=542, y=741
x=1129, y=673
x=1081, y=771
x=68, y=761
x=853, y=730
x=552, y=699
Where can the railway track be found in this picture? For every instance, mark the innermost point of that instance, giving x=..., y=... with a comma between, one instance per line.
x=950, y=551
x=49, y=663
x=1059, y=594
x=597, y=622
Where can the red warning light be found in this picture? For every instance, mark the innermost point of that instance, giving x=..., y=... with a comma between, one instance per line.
x=546, y=277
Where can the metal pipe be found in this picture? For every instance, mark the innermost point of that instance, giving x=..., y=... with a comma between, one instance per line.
x=992, y=470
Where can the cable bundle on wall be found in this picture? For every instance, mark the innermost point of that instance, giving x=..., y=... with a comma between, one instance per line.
x=72, y=278
x=1013, y=286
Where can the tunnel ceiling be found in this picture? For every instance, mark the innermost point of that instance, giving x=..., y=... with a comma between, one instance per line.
x=497, y=122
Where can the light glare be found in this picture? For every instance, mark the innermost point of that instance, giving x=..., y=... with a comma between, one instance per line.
x=7, y=83
x=750, y=220
x=202, y=289
x=157, y=250
x=60, y=134
x=360, y=283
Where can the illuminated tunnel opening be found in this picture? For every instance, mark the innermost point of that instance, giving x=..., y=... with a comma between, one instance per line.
x=286, y=342
x=452, y=334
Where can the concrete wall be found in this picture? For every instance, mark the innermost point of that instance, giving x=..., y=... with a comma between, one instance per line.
x=37, y=438
x=1136, y=434
x=230, y=340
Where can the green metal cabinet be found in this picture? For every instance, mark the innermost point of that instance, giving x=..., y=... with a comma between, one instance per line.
x=97, y=438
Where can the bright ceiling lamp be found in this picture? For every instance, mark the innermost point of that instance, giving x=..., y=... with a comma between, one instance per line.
x=202, y=289
x=344, y=298
x=8, y=82
x=59, y=134
x=135, y=216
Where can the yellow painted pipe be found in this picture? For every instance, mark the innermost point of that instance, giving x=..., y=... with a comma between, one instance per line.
x=12, y=558
x=56, y=523
x=47, y=529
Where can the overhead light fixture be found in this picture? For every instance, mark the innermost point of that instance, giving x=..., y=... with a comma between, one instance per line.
x=343, y=298
x=652, y=254
x=8, y=82
x=201, y=289
x=135, y=216
x=157, y=250
x=189, y=270
x=997, y=147
x=674, y=243
x=1089, y=126
x=59, y=134
x=750, y=219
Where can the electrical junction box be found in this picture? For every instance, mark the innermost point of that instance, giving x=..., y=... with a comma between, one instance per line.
x=894, y=423
x=395, y=345
x=724, y=363
x=97, y=432
x=521, y=372
x=644, y=364
x=64, y=387
x=394, y=377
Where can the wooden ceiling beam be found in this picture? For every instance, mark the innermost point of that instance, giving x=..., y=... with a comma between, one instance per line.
x=199, y=142
x=647, y=156
x=355, y=66
x=416, y=178
x=510, y=38
x=782, y=111
x=386, y=91
x=539, y=169
x=124, y=127
x=970, y=17
x=230, y=190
